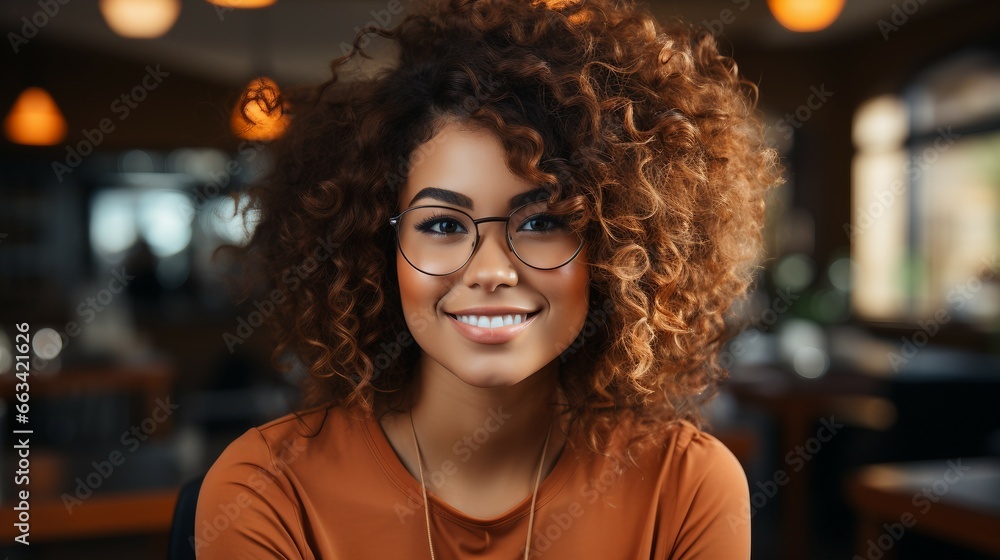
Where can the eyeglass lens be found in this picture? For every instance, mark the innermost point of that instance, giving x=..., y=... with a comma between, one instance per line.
x=439, y=240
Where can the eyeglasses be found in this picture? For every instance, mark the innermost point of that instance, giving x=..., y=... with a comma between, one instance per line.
x=438, y=240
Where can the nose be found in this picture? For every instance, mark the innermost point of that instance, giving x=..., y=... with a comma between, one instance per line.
x=492, y=262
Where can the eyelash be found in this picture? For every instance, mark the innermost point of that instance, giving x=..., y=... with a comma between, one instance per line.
x=425, y=225
x=556, y=222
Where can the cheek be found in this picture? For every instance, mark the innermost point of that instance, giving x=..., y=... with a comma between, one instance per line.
x=409, y=286
x=575, y=291
x=418, y=294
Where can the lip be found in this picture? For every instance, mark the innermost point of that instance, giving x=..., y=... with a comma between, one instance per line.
x=498, y=335
x=492, y=310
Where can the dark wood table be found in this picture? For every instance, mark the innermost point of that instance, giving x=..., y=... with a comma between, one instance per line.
x=149, y=383
x=797, y=405
x=956, y=500
x=140, y=512
x=108, y=515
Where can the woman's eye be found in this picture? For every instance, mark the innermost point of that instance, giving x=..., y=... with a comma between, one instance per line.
x=441, y=226
x=541, y=222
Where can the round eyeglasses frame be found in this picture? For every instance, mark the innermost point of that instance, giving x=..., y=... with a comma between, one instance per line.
x=510, y=245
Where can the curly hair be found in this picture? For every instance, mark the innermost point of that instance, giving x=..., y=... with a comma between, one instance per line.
x=645, y=124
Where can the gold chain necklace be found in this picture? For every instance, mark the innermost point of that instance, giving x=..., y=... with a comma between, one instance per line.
x=423, y=488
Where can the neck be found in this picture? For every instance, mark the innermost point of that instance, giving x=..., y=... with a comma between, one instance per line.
x=469, y=433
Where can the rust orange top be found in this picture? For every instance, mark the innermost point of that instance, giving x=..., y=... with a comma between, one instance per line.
x=343, y=494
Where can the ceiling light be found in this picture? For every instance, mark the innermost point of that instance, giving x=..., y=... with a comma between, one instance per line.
x=244, y=4
x=35, y=119
x=805, y=15
x=258, y=114
x=140, y=19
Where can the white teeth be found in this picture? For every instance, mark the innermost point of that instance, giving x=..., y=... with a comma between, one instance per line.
x=492, y=322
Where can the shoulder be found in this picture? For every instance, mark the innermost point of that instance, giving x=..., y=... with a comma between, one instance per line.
x=711, y=467
x=681, y=450
x=686, y=456
x=248, y=501
x=703, y=484
x=276, y=445
x=684, y=460
x=682, y=485
x=688, y=446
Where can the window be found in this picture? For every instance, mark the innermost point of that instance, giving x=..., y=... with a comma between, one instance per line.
x=925, y=228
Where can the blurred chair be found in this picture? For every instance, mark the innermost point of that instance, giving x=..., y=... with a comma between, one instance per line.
x=181, y=545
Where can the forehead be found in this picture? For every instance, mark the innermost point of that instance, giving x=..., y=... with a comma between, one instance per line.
x=462, y=167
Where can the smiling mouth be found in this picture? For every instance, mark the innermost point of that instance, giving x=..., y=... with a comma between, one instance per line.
x=493, y=321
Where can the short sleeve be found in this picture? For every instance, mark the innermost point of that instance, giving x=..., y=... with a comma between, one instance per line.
x=243, y=509
x=713, y=488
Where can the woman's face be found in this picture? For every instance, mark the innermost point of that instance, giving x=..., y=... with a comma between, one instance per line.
x=471, y=164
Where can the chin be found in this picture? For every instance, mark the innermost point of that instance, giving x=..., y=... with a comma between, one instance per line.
x=490, y=380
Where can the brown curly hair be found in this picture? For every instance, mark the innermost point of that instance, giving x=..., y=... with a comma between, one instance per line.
x=646, y=124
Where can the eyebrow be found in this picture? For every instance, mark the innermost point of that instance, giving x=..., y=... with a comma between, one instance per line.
x=459, y=199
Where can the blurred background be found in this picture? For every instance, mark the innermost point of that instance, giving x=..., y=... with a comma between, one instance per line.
x=863, y=401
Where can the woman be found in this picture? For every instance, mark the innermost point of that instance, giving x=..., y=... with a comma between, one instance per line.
x=505, y=263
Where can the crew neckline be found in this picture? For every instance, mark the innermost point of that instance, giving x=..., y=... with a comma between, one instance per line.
x=382, y=450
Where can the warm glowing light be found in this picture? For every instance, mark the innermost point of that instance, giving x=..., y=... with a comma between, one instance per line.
x=805, y=15
x=557, y=4
x=258, y=114
x=35, y=119
x=225, y=218
x=46, y=343
x=140, y=19
x=881, y=124
x=245, y=4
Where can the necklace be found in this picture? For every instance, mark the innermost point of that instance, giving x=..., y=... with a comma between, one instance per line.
x=423, y=489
